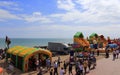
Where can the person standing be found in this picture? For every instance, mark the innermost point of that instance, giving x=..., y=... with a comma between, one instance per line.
x=34, y=63
x=107, y=53
x=48, y=63
x=70, y=69
x=40, y=71
x=117, y=53
x=59, y=61
x=55, y=68
x=62, y=72
x=98, y=52
x=7, y=41
x=114, y=55
x=71, y=52
x=85, y=64
x=89, y=63
x=51, y=72
x=94, y=62
x=81, y=68
x=77, y=67
x=40, y=62
x=65, y=66
x=37, y=64
x=95, y=45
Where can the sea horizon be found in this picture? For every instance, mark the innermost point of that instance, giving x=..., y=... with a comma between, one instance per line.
x=31, y=42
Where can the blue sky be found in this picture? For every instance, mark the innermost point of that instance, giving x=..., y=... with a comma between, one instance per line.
x=59, y=18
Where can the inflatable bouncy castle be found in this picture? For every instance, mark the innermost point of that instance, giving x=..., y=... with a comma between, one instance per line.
x=79, y=41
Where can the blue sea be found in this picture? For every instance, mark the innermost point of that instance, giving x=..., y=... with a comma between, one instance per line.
x=31, y=42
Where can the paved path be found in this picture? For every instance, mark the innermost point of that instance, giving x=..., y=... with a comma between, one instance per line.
x=105, y=67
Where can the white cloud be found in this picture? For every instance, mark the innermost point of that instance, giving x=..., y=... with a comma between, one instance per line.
x=5, y=10
x=65, y=4
x=87, y=16
x=36, y=17
x=10, y=5
x=5, y=15
x=91, y=11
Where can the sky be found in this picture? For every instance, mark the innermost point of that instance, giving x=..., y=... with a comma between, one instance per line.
x=59, y=18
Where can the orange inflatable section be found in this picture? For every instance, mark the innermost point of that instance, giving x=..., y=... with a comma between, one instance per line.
x=81, y=42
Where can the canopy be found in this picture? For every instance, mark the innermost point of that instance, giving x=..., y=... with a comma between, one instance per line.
x=20, y=55
x=26, y=52
x=93, y=35
x=78, y=35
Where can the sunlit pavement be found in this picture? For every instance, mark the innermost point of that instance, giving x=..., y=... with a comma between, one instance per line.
x=105, y=66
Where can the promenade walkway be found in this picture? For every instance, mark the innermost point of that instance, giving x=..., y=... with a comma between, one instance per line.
x=105, y=66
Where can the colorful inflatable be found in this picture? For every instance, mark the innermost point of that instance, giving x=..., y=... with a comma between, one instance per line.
x=80, y=41
x=20, y=55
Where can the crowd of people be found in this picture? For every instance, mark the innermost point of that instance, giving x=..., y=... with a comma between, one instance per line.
x=81, y=65
x=34, y=63
x=83, y=62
